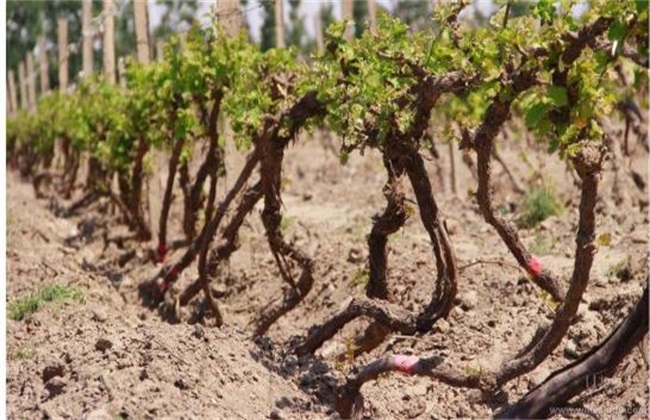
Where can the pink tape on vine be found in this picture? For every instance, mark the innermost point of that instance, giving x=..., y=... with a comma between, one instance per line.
x=534, y=266
x=163, y=285
x=406, y=364
x=173, y=273
x=161, y=252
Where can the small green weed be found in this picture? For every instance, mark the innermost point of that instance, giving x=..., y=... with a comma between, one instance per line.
x=343, y=364
x=620, y=270
x=550, y=303
x=23, y=353
x=475, y=371
x=361, y=277
x=22, y=308
x=539, y=204
x=286, y=223
x=542, y=244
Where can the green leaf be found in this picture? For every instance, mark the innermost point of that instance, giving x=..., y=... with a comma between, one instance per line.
x=601, y=59
x=558, y=96
x=545, y=10
x=641, y=5
x=617, y=31
x=535, y=114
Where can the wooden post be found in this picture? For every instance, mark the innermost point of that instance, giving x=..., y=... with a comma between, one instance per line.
x=452, y=168
x=372, y=13
x=279, y=24
x=348, y=15
x=319, y=34
x=23, y=86
x=160, y=50
x=182, y=39
x=31, y=82
x=13, y=95
x=229, y=16
x=109, y=41
x=44, y=66
x=121, y=72
x=86, y=33
x=10, y=106
x=141, y=31
x=63, y=54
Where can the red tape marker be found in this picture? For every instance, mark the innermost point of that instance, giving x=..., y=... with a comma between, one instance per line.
x=163, y=285
x=161, y=252
x=406, y=364
x=534, y=267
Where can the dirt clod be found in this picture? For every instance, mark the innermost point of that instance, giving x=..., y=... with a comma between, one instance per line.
x=199, y=332
x=103, y=344
x=356, y=256
x=469, y=300
x=56, y=386
x=181, y=384
x=52, y=371
x=100, y=414
x=99, y=316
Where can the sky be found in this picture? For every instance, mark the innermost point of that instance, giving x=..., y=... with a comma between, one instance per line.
x=308, y=8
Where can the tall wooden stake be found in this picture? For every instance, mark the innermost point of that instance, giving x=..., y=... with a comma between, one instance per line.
x=452, y=160
x=63, y=54
x=279, y=24
x=229, y=16
x=141, y=30
x=31, y=82
x=10, y=107
x=109, y=41
x=372, y=13
x=121, y=72
x=86, y=32
x=13, y=95
x=44, y=66
x=160, y=50
x=348, y=15
x=22, y=82
x=319, y=34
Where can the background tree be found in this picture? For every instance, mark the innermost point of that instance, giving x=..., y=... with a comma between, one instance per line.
x=296, y=35
x=415, y=13
x=360, y=14
x=326, y=15
x=27, y=20
x=267, y=32
x=177, y=16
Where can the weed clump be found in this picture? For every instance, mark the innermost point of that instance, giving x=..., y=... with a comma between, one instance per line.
x=539, y=204
x=52, y=293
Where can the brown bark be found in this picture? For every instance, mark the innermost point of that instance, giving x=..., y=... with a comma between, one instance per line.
x=167, y=199
x=349, y=400
x=586, y=372
x=393, y=218
x=170, y=274
x=193, y=191
x=230, y=241
x=269, y=144
x=447, y=272
x=483, y=142
x=134, y=204
x=393, y=316
x=271, y=172
x=588, y=164
x=203, y=277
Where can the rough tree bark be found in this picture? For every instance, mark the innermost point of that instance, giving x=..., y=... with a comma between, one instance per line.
x=599, y=363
